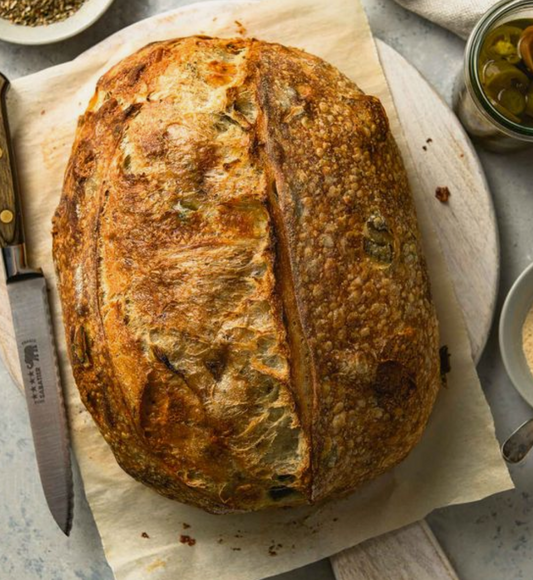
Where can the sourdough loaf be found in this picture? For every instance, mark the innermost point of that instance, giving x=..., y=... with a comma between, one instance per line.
x=246, y=303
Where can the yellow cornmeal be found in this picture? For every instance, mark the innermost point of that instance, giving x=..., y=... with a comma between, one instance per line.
x=527, y=339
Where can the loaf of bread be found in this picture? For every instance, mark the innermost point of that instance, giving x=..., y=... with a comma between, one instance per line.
x=246, y=303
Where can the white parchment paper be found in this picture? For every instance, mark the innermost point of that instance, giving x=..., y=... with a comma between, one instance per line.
x=458, y=459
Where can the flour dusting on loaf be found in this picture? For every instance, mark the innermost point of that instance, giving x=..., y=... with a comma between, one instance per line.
x=246, y=303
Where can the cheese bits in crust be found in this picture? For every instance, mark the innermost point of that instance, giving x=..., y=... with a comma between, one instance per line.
x=246, y=303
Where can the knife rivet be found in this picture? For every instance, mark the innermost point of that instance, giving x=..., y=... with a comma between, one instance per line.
x=6, y=216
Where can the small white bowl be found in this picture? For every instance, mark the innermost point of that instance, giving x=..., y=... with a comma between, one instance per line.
x=88, y=13
x=514, y=312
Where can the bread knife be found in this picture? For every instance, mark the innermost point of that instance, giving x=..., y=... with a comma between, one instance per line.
x=28, y=299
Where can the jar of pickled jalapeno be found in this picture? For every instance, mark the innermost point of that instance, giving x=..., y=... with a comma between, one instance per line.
x=494, y=95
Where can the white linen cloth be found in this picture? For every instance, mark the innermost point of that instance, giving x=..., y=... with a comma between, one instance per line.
x=459, y=16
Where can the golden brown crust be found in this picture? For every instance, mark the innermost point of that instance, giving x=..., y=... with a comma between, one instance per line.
x=246, y=303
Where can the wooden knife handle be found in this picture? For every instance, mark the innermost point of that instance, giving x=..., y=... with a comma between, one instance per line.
x=11, y=228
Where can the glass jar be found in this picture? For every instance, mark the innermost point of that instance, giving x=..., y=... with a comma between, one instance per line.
x=484, y=123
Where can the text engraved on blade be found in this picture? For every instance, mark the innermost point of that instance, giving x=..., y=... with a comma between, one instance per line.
x=33, y=370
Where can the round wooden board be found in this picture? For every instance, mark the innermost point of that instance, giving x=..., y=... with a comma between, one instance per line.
x=466, y=225
x=444, y=157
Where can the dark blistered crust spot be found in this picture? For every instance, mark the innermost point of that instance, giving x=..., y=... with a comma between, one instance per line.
x=162, y=357
x=280, y=492
x=216, y=361
x=394, y=383
x=83, y=165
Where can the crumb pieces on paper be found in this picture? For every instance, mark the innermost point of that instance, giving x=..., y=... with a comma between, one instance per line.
x=429, y=140
x=186, y=526
x=184, y=539
x=444, y=353
x=240, y=28
x=445, y=365
x=442, y=194
x=274, y=548
x=145, y=535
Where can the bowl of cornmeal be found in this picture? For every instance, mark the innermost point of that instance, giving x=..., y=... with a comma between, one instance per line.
x=516, y=334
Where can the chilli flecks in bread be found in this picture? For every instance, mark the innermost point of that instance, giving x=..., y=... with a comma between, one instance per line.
x=246, y=303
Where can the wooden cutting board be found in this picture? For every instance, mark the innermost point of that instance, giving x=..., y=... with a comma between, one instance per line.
x=467, y=230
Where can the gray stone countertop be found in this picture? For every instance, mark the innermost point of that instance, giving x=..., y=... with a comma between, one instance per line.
x=488, y=540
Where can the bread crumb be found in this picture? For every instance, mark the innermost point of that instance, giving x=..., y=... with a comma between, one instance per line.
x=145, y=535
x=186, y=526
x=187, y=540
x=442, y=194
x=240, y=28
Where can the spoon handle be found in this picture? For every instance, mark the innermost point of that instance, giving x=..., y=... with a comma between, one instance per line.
x=519, y=443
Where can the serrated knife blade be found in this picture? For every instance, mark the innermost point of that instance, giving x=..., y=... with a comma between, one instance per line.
x=40, y=373
x=28, y=299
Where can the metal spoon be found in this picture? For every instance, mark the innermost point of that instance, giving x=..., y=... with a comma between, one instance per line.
x=516, y=447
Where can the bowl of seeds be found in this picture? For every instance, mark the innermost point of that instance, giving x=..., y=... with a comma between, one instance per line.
x=47, y=21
